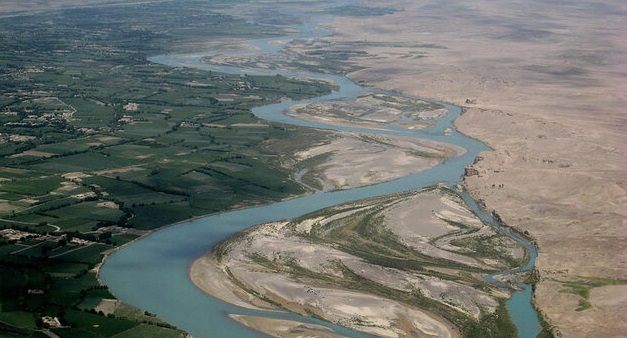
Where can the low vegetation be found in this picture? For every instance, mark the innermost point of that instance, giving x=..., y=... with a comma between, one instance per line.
x=582, y=288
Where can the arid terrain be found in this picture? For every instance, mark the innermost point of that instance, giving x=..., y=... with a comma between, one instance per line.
x=543, y=84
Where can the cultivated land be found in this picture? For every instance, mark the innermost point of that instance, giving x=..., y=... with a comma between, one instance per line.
x=98, y=146
x=403, y=265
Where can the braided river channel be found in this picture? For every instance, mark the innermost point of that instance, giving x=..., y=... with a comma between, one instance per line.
x=152, y=273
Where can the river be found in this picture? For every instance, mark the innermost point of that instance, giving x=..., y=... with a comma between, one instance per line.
x=152, y=273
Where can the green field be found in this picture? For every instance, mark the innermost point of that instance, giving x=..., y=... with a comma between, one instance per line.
x=95, y=141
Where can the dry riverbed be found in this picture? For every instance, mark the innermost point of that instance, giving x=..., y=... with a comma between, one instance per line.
x=350, y=160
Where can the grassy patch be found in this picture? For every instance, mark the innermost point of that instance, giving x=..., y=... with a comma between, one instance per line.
x=91, y=254
x=583, y=287
x=20, y=319
x=86, y=324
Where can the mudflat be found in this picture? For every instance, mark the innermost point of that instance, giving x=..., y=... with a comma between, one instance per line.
x=543, y=84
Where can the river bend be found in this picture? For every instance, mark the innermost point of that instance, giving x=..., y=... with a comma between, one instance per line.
x=152, y=273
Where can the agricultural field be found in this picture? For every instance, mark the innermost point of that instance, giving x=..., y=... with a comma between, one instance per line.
x=98, y=146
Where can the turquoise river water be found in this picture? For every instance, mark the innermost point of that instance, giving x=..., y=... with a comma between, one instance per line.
x=152, y=273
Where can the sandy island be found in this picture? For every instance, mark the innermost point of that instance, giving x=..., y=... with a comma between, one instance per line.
x=325, y=264
x=285, y=328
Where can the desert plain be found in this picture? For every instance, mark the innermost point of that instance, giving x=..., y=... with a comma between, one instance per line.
x=542, y=83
